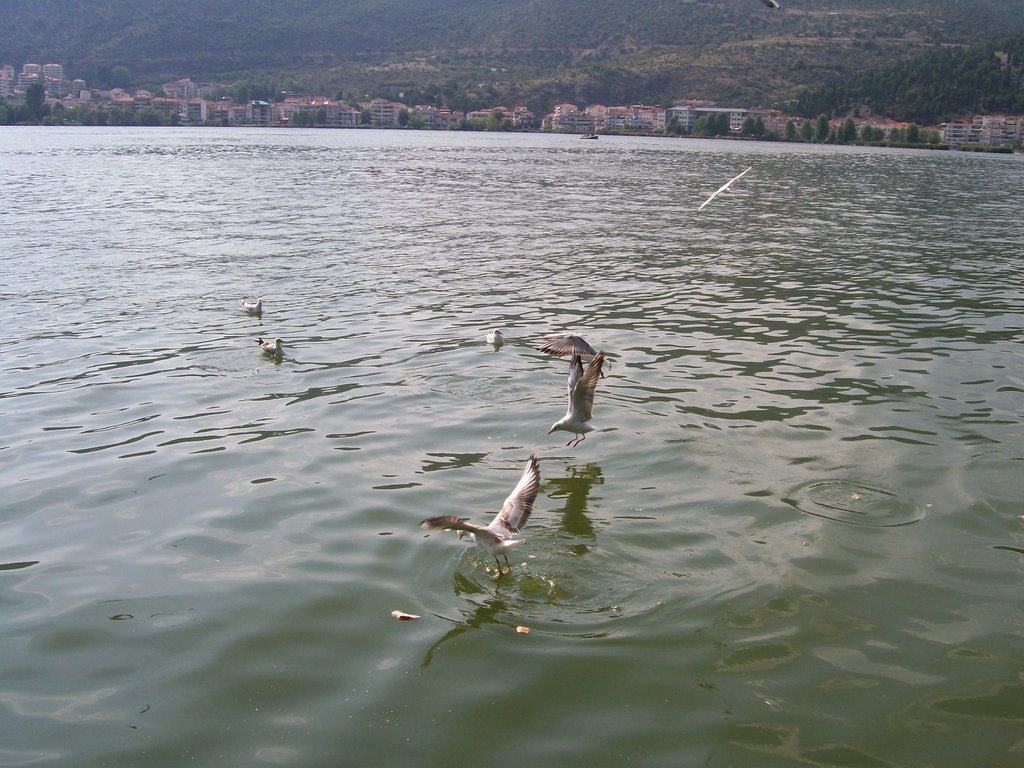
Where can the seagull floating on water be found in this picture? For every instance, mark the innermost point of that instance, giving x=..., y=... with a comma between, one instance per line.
x=770, y=3
x=581, y=398
x=253, y=308
x=499, y=536
x=271, y=347
x=495, y=337
x=723, y=188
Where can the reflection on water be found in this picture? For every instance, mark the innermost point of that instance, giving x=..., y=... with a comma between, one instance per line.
x=575, y=487
x=795, y=537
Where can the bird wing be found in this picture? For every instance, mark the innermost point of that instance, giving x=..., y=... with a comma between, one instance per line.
x=566, y=344
x=581, y=397
x=519, y=504
x=722, y=189
x=575, y=372
x=453, y=523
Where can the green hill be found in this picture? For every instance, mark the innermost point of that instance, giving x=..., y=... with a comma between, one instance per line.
x=938, y=86
x=471, y=53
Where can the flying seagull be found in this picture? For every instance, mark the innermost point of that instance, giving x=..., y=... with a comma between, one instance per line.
x=721, y=189
x=272, y=347
x=770, y=3
x=499, y=536
x=562, y=344
x=566, y=344
x=253, y=308
x=581, y=398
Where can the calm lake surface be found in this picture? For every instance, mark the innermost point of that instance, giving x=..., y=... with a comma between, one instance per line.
x=795, y=539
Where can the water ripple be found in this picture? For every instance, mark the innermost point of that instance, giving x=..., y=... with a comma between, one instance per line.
x=838, y=341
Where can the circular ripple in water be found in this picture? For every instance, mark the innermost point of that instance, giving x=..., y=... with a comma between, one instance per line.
x=855, y=503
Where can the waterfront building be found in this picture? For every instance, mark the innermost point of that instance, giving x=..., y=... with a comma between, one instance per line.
x=181, y=89
x=383, y=113
x=30, y=73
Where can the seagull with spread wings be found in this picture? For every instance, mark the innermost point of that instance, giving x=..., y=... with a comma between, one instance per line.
x=562, y=344
x=723, y=188
x=581, y=398
x=498, y=536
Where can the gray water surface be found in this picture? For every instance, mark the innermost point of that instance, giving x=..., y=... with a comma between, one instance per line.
x=795, y=539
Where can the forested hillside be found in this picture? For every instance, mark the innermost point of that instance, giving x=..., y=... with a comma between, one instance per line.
x=476, y=52
x=941, y=85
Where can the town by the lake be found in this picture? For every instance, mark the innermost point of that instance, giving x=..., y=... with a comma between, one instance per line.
x=43, y=94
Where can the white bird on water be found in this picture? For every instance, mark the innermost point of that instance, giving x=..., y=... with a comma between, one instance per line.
x=723, y=188
x=770, y=3
x=253, y=308
x=271, y=347
x=495, y=337
x=499, y=536
x=581, y=398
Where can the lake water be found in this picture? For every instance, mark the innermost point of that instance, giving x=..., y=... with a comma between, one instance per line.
x=795, y=539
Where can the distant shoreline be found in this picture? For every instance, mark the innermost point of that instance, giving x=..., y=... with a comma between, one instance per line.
x=977, y=148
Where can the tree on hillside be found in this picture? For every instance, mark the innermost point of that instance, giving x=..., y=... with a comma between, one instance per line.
x=790, y=133
x=848, y=133
x=722, y=124
x=120, y=77
x=496, y=121
x=821, y=129
x=35, y=98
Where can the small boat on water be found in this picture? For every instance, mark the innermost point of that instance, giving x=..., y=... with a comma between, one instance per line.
x=589, y=136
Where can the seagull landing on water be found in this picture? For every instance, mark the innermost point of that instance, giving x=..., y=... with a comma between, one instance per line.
x=499, y=536
x=253, y=308
x=271, y=347
x=495, y=338
x=723, y=188
x=581, y=398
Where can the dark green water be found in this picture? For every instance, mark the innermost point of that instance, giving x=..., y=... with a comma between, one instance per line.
x=796, y=538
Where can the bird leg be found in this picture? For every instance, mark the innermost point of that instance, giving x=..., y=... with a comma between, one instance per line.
x=507, y=563
x=576, y=441
x=498, y=563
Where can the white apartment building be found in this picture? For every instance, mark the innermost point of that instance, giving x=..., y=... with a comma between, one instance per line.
x=994, y=130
